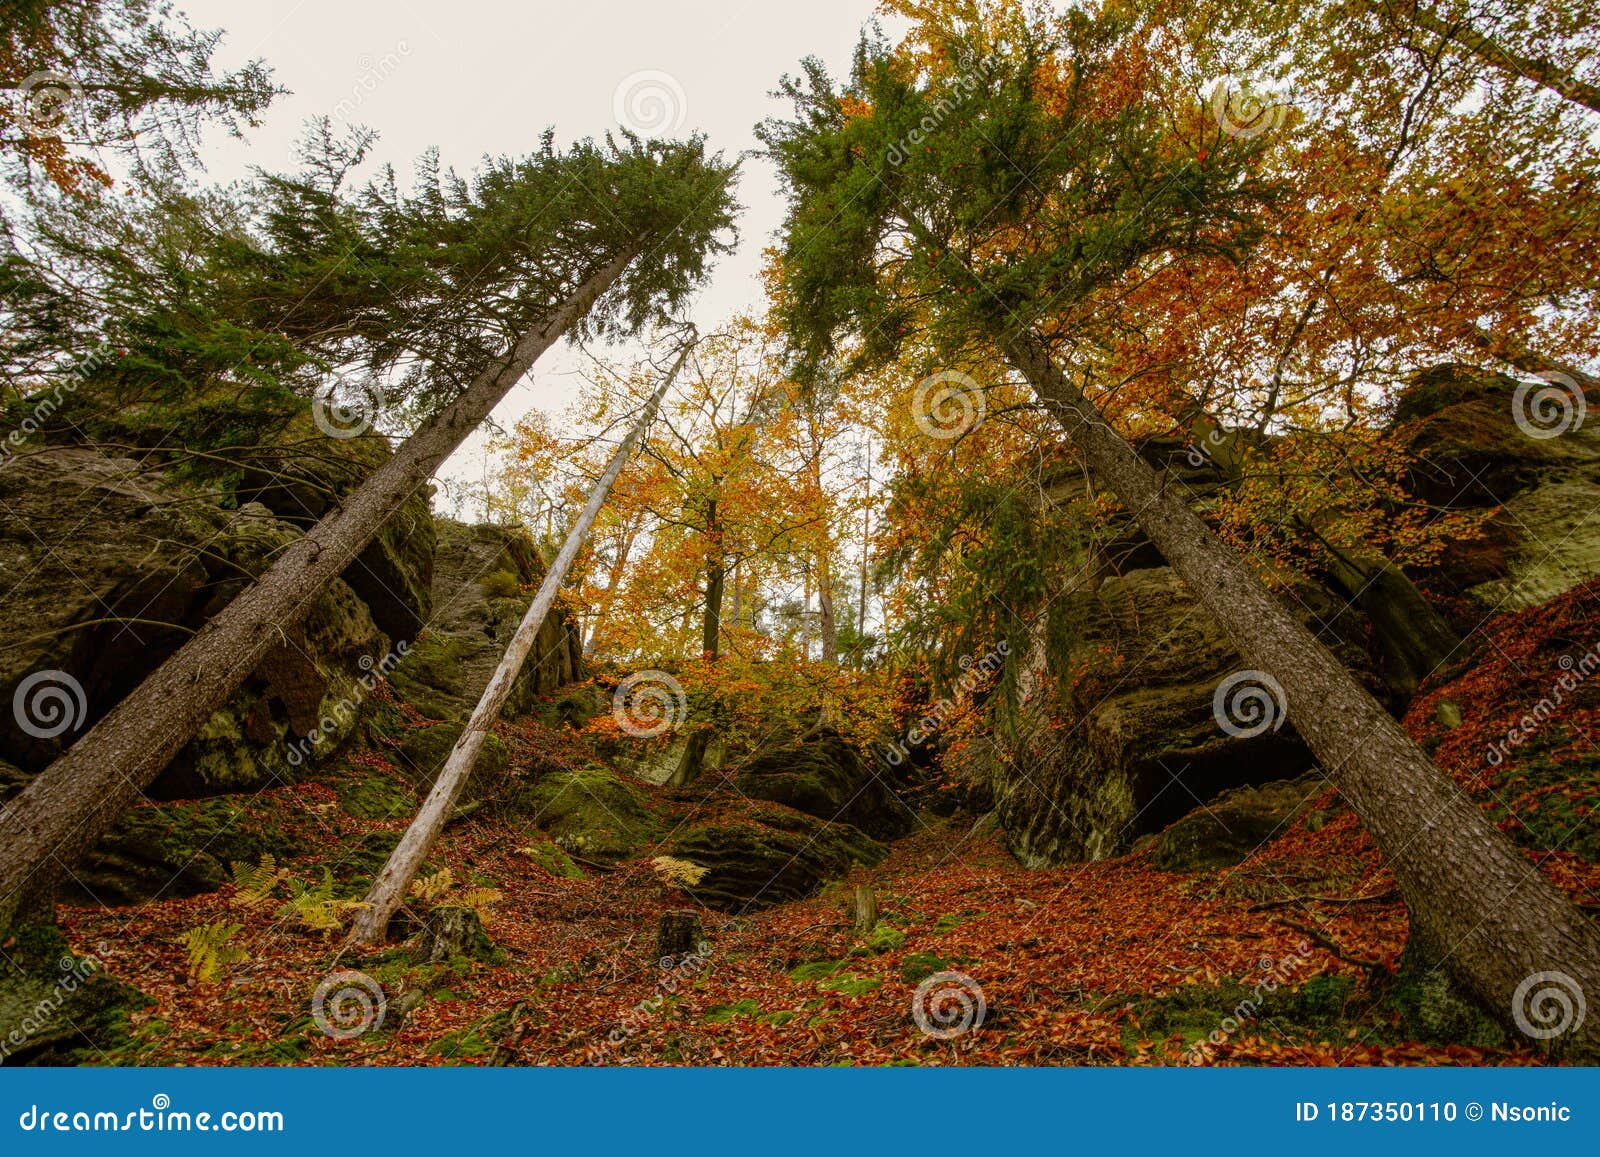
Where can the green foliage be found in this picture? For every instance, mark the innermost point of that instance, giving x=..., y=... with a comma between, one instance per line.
x=210, y=953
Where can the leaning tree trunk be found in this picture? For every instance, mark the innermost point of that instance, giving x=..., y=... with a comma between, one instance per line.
x=72, y=803
x=1478, y=907
x=389, y=889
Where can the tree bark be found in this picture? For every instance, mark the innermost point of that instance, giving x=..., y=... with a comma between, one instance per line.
x=1478, y=907
x=864, y=909
x=716, y=578
x=389, y=889
x=1536, y=70
x=72, y=803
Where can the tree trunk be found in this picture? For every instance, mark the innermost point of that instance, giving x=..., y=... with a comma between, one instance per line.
x=389, y=889
x=1536, y=70
x=716, y=576
x=72, y=803
x=829, y=628
x=864, y=909
x=1477, y=905
x=678, y=935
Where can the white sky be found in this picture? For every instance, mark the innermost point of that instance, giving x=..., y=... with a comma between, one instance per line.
x=478, y=77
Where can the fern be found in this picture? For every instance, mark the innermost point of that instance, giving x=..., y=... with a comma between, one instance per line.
x=480, y=900
x=255, y=884
x=316, y=908
x=678, y=873
x=430, y=888
x=209, y=951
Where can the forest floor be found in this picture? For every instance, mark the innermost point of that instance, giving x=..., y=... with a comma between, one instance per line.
x=1294, y=956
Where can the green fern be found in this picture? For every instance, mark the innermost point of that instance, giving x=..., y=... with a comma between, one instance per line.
x=210, y=954
x=430, y=888
x=254, y=885
x=316, y=907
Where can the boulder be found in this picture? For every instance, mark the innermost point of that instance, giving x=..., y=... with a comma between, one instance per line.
x=591, y=812
x=769, y=854
x=1230, y=828
x=1538, y=541
x=111, y=563
x=822, y=775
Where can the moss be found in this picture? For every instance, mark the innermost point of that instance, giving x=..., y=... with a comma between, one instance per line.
x=823, y=776
x=1232, y=826
x=374, y=796
x=184, y=848
x=724, y=1013
x=431, y=677
x=57, y=1006
x=920, y=965
x=591, y=812
x=852, y=985
x=552, y=859
x=1433, y=1009
x=815, y=970
x=883, y=938
x=425, y=749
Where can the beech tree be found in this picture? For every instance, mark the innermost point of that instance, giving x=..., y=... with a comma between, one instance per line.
x=592, y=240
x=996, y=192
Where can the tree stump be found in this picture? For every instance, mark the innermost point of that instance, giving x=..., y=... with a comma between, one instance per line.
x=866, y=909
x=679, y=935
x=452, y=931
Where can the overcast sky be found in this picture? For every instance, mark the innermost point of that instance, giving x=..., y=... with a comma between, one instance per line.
x=478, y=77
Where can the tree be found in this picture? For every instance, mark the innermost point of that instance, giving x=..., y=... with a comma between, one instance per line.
x=1002, y=189
x=592, y=240
x=389, y=889
x=81, y=77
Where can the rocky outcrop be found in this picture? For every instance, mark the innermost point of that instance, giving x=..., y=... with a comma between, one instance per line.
x=822, y=775
x=769, y=854
x=1228, y=829
x=110, y=563
x=1538, y=481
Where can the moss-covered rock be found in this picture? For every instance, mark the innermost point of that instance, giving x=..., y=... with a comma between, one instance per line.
x=1232, y=826
x=769, y=855
x=823, y=776
x=591, y=812
x=175, y=849
x=424, y=751
x=58, y=1006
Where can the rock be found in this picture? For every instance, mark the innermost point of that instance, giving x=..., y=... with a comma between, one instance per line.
x=1230, y=828
x=484, y=578
x=823, y=776
x=58, y=1006
x=591, y=812
x=1539, y=541
x=111, y=565
x=1137, y=752
x=770, y=855
x=423, y=753
x=171, y=850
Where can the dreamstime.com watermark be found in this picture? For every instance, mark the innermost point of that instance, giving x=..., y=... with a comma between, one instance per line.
x=974, y=674
x=76, y=971
x=343, y=712
x=1548, y=1004
x=1573, y=674
x=49, y=703
x=1549, y=407
x=948, y=1004
x=675, y=973
x=40, y=406
x=373, y=73
x=947, y=404
x=974, y=70
x=160, y=1117
x=650, y=103
x=649, y=703
x=348, y=1004
x=1274, y=974
x=1249, y=703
